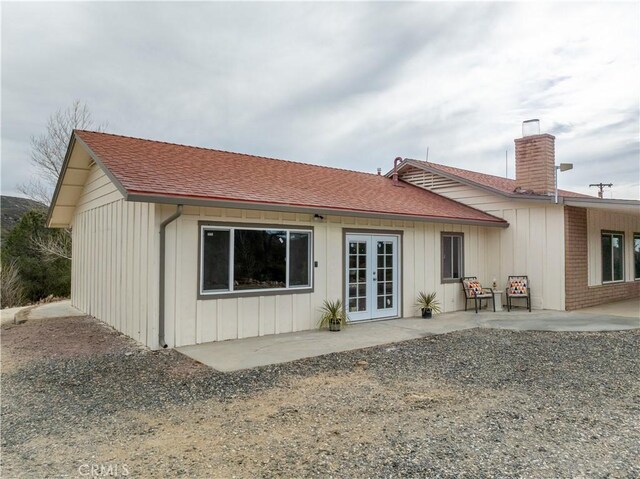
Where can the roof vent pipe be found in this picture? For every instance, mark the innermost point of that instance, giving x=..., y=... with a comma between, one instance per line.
x=395, y=170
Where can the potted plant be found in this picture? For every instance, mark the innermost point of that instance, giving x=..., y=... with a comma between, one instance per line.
x=333, y=315
x=428, y=304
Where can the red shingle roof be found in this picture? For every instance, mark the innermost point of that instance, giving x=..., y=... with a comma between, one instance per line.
x=145, y=167
x=504, y=185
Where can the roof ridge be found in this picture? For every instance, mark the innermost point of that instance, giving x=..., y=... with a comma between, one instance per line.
x=228, y=152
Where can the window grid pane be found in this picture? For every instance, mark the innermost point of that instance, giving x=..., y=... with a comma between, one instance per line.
x=384, y=273
x=357, y=276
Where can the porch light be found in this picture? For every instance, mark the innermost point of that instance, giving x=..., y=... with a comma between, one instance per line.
x=318, y=217
x=561, y=167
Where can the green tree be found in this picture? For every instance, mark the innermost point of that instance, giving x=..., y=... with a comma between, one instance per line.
x=41, y=274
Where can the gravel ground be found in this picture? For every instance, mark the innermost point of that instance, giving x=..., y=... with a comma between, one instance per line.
x=476, y=403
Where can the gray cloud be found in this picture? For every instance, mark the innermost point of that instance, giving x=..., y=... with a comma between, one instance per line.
x=350, y=85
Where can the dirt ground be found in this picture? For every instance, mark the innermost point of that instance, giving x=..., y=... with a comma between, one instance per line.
x=477, y=403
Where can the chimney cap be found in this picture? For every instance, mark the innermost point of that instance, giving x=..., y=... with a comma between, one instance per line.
x=530, y=127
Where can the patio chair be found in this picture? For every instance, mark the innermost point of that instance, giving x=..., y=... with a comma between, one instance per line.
x=473, y=290
x=518, y=289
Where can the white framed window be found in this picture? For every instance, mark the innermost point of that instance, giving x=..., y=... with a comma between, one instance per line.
x=452, y=251
x=612, y=256
x=243, y=260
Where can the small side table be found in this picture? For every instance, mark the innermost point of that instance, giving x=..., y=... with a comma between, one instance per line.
x=497, y=296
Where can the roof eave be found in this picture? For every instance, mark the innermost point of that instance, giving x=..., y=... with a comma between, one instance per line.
x=322, y=210
x=56, y=192
x=632, y=206
x=72, y=142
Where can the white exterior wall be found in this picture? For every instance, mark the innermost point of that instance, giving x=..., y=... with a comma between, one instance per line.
x=115, y=260
x=532, y=245
x=598, y=220
x=190, y=320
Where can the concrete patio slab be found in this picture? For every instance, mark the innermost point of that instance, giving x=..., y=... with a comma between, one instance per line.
x=59, y=309
x=560, y=321
x=627, y=308
x=247, y=353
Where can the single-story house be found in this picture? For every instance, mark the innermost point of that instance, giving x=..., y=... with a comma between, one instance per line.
x=176, y=245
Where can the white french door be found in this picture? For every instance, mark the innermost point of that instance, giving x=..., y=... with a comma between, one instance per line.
x=371, y=289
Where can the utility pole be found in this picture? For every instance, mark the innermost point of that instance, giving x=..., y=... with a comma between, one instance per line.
x=600, y=187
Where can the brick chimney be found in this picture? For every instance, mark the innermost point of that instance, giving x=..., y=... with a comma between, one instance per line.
x=535, y=159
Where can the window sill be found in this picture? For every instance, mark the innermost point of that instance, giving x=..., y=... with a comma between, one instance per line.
x=449, y=281
x=254, y=293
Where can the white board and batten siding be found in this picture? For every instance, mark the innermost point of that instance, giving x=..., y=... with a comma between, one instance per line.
x=115, y=259
x=190, y=320
x=532, y=245
x=603, y=220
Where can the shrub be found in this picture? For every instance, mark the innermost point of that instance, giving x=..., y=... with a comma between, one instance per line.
x=11, y=293
x=40, y=275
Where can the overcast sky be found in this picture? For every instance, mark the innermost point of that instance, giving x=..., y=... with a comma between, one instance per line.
x=348, y=85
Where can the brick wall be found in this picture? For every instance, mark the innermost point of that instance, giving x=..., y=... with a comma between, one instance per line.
x=578, y=293
x=535, y=163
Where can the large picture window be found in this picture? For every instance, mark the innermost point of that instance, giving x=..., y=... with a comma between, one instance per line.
x=241, y=259
x=452, y=257
x=612, y=257
x=636, y=256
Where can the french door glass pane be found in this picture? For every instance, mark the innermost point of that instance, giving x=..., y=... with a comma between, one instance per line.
x=384, y=299
x=357, y=276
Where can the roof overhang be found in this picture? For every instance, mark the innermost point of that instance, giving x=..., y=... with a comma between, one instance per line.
x=80, y=158
x=73, y=175
x=618, y=206
x=305, y=209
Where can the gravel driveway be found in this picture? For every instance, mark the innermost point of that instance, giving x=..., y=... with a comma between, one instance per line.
x=476, y=403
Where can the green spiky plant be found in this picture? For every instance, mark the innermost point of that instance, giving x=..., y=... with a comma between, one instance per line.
x=333, y=316
x=426, y=302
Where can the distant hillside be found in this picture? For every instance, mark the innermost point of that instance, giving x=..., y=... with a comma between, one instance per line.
x=11, y=210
